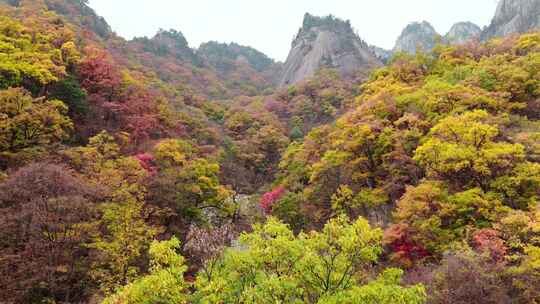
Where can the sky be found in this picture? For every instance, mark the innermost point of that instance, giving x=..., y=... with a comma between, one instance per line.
x=270, y=26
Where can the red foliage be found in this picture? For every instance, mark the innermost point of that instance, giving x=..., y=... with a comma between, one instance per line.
x=147, y=162
x=137, y=113
x=42, y=209
x=275, y=106
x=128, y=108
x=489, y=240
x=100, y=77
x=270, y=198
x=404, y=249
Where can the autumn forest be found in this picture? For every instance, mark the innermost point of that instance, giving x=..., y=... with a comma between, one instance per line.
x=146, y=172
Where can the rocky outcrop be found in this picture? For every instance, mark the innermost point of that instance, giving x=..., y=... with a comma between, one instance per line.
x=462, y=32
x=417, y=36
x=326, y=42
x=381, y=54
x=513, y=16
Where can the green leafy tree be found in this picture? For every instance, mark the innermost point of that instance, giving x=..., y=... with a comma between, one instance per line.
x=164, y=283
x=187, y=185
x=70, y=92
x=436, y=219
x=122, y=246
x=386, y=289
x=28, y=57
x=463, y=150
x=275, y=266
x=28, y=122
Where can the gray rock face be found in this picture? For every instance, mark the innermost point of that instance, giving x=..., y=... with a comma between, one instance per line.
x=381, y=54
x=462, y=32
x=326, y=42
x=416, y=36
x=513, y=16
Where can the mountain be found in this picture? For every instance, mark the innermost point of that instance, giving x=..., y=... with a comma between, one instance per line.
x=417, y=35
x=326, y=42
x=214, y=70
x=167, y=55
x=223, y=55
x=169, y=42
x=233, y=58
x=462, y=32
x=513, y=16
x=76, y=11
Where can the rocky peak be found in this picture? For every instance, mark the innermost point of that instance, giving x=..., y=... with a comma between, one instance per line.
x=381, y=54
x=326, y=42
x=169, y=43
x=513, y=16
x=417, y=35
x=462, y=32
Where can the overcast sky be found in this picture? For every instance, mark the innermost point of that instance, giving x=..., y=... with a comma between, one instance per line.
x=270, y=26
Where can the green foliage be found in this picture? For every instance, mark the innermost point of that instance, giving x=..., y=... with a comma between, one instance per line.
x=70, y=92
x=436, y=218
x=122, y=234
x=527, y=275
x=296, y=133
x=275, y=266
x=26, y=55
x=187, y=184
x=288, y=210
x=462, y=149
x=170, y=153
x=164, y=284
x=29, y=123
x=442, y=148
x=328, y=22
x=223, y=56
x=385, y=290
x=121, y=248
x=449, y=138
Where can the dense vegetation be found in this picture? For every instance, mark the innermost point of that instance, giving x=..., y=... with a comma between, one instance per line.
x=121, y=182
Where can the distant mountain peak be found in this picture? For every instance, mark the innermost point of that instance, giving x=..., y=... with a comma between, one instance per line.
x=223, y=55
x=169, y=43
x=328, y=22
x=461, y=32
x=416, y=36
x=326, y=42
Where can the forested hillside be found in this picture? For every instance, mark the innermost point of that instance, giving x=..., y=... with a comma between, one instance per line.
x=146, y=171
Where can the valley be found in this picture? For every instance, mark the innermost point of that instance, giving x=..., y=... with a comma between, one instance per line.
x=147, y=171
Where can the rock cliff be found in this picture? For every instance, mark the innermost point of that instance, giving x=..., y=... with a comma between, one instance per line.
x=416, y=36
x=326, y=42
x=513, y=16
x=462, y=32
